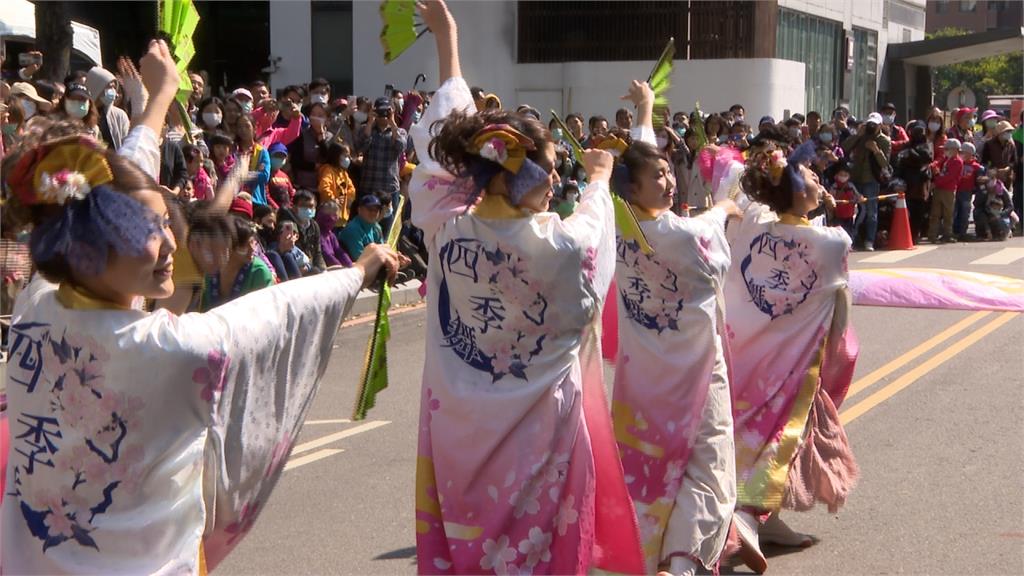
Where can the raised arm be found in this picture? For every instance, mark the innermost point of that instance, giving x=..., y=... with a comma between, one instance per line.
x=641, y=95
x=441, y=23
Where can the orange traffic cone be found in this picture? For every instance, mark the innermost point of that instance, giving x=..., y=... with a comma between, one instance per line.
x=899, y=230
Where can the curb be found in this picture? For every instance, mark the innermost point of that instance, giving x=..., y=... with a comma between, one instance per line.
x=404, y=295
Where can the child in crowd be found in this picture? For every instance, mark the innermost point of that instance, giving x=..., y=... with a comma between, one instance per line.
x=994, y=218
x=309, y=230
x=287, y=244
x=280, y=189
x=364, y=228
x=947, y=175
x=221, y=146
x=965, y=189
x=335, y=183
x=327, y=219
x=847, y=199
x=199, y=186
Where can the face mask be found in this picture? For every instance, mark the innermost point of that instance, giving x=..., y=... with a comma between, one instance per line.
x=825, y=137
x=557, y=134
x=662, y=142
x=416, y=116
x=77, y=109
x=399, y=103
x=28, y=108
x=681, y=131
x=345, y=163
x=276, y=163
x=970, y=122
x=989, y=124
x=934, y=126
x=318, y=98
x=9, y=129
x=108, y=96
x=889, y=118
x=246, y=107
x=739, y=119
x=360, y=117
x=794, y=132
x=386, y=213
x=307, y=213
x=842, y=178
x=1005, y=136
x=212, y=119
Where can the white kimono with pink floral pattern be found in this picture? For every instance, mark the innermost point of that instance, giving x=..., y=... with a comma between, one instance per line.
x=509, y=468
x=138, y=441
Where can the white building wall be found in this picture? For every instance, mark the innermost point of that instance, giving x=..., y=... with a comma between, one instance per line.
x=290, y=26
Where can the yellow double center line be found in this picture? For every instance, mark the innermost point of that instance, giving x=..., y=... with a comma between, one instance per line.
x=883, y=394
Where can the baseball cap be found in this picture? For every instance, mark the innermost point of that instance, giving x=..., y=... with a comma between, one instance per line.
x=952, y=144
x=766, y=120
x=28, y=91
x=888, y=106
x=968, y=148
x=241, y=206
x=241, y=92
x=370, y=200
x=961, y=112
x=382, y=104
x=278, y=148
x=874, y=118
x=77, y=89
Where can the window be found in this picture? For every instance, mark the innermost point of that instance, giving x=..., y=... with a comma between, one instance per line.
x=968, y=5
x=598, y=31
x=940, y=6
x=816, y=42
x=865, y=72
x=997, y=5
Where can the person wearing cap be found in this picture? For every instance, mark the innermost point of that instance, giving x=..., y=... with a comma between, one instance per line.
x=244, y=99
x=963, y=125
x=989, y=119
x=280, y=188
x=113, y=122
x=869, y=150
x=894, y=131
x=999, y=154
x=76, y=104
x=945, y=180
x=26, y=103
x=382, y=143
x=364, y=229
x=765, y=123
x=966, y=189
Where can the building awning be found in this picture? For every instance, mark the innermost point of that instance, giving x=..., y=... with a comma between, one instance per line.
x=18, y=22
x=956, y=49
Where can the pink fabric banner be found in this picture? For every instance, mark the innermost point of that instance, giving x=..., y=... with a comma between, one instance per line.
x=936, y=288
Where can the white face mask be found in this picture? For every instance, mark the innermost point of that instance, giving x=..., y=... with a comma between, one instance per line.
x=28, y=108
x=212, y=119
x=934, y=126
x=318, y=98
x=76, y=109
x=889, y=118
x=794, y=132
x=1005, y=136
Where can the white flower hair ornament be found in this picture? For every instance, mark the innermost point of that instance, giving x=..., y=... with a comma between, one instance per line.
x=63, y=186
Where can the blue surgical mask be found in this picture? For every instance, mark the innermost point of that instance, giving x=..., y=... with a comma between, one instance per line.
x=76, y=109
x=108, y=96
x=681, y=131
x=307, y=213
x=346, y=162
x=246, y=107
x=557, y=134
x=276, y=163
x=825, y=137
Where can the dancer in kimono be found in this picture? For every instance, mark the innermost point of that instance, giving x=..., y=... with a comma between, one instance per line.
x=143, y=443
x=791, y=353
x=515, y=445
x=671, y=404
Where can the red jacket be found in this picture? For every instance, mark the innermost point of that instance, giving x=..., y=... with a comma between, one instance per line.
x=969, y=176
x=947, y=173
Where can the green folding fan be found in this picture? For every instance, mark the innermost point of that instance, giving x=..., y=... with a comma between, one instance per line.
x=402, y=27
x=660, y=81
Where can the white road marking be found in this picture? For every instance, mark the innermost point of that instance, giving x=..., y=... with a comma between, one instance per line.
x=1004, y=256
x=310, y=458
x=339, y=421
x=331, y=438
x=896, y=255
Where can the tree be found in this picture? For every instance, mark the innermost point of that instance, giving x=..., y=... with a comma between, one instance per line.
x=53, y=39
x=1002, y=74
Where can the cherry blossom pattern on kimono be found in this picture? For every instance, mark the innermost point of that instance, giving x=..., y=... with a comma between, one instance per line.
x=84, y=437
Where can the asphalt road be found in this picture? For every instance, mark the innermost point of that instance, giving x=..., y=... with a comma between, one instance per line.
x=935, y=417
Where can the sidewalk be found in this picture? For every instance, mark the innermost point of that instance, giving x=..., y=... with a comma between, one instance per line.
x=405, y=294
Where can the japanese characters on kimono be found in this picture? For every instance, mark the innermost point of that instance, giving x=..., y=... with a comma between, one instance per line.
x=669, y=352
x=781, y=296
x=508, y=473
x=148, y=443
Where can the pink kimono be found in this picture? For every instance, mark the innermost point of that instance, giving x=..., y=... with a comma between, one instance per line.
x=517, y=469
x=792, y=358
